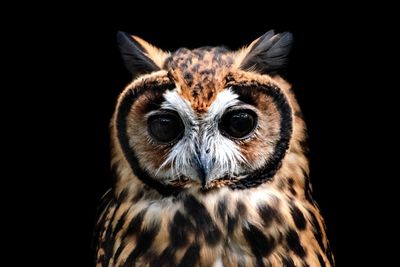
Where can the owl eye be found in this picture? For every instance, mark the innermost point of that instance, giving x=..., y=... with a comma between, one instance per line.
x=165, y=127
x=238, y=123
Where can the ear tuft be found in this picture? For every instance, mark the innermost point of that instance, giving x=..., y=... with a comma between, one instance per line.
x=135, y=55
x=269, y=53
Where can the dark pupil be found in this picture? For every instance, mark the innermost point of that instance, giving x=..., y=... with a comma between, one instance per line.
x=238, y=124
x=165, y=127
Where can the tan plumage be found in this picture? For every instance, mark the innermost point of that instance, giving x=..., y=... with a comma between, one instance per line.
x=208, y=155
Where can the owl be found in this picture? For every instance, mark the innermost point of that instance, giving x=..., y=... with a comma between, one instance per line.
x=208, y=155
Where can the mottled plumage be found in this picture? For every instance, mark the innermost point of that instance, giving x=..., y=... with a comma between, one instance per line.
x=208, y=156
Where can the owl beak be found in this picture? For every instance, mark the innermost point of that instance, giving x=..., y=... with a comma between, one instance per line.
x=202, y=168
x=201, y=172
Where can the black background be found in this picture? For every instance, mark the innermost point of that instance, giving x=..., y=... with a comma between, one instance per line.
x=84, y=74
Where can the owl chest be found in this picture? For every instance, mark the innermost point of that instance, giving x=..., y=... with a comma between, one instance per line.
x=217, y=231
x=189, y=233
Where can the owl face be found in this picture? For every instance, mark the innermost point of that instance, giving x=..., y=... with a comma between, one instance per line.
x=204, y=118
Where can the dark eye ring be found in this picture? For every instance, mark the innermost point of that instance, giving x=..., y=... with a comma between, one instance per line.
x=238, y=123
x=165, y=127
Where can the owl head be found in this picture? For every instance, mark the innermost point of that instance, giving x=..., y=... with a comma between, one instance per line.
x=205, y=118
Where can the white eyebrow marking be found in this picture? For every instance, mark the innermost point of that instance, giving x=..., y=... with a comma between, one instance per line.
x=224, y=100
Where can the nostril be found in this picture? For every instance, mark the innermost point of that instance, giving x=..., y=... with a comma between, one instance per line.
x=208, y=151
